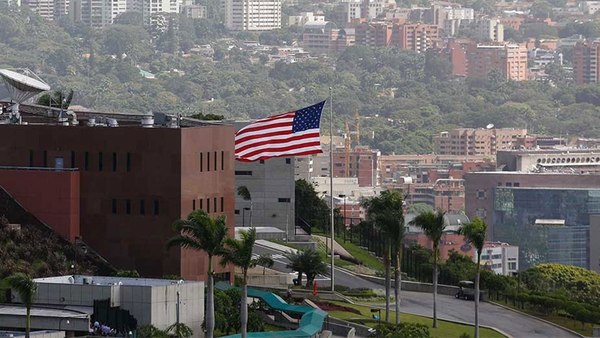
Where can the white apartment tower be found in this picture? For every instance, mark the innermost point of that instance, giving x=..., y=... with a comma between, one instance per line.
x=253, y=15
x=43, y=8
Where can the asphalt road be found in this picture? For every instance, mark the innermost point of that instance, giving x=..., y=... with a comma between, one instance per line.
x=512, y=323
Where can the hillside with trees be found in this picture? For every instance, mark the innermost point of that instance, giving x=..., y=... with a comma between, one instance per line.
x=402, y=97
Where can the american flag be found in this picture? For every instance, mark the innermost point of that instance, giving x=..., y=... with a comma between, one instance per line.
x=289, y=134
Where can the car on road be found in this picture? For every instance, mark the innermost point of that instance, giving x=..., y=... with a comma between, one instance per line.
x=466, y=291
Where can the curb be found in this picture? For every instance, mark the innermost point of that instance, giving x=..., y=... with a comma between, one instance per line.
x=537, y=318
x=451, y=321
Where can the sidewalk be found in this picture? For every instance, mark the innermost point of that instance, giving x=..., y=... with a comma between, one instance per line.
x=275, y=246
x=337, y=248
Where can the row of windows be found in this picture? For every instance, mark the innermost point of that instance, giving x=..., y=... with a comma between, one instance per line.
x=199, y=204
x=126, y=206
x=214, y=162
x=59, y=161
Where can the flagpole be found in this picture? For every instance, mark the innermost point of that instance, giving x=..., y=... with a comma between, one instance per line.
x=331, y=186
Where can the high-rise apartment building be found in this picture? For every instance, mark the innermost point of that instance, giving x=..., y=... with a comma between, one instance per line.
x=586, y=55
x=416, y=37
x=491, y=30
x=374, y=34
x=469, y=141
x=252, y=15
x=510, y=60
x=43, y=8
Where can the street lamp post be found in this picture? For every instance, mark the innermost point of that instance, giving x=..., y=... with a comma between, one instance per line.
x=344, y=215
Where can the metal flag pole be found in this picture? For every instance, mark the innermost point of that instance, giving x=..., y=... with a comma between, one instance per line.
x=331, y=186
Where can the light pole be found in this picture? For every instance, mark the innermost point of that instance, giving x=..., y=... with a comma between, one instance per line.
x=344, y=215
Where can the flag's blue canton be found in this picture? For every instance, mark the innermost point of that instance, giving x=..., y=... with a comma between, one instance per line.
x=308, y=118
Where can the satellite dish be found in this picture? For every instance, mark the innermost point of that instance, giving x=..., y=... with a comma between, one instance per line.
x=489, y=126
x=22, y=84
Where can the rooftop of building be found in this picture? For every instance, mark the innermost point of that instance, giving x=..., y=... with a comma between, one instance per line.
x=102, y=280
x=490, y=244
x=17, y=334
x=19, y=310
x=557, y=150
x=33, y=114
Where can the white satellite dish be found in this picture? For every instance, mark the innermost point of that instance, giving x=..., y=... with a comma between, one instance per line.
x=22, y=84
x=489, y=126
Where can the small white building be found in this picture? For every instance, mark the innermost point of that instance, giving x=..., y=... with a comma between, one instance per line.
x=501, y=258
x=304, y=17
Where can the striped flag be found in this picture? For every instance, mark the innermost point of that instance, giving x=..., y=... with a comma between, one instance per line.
x=289, y=134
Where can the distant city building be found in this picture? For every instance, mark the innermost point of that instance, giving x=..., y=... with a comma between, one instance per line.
x=325, y=37
x=305, y=17
x=481, y=141
x=446, y=194
x=510, y=60
x=194, y=11
x=490, y=30
x=586, y=56
x=590, y=7
x=252, y=15
x=569, y=160
x=416, y=37
x=546, y=215
x=499, y=257
x=43, y=8
x=543, y=57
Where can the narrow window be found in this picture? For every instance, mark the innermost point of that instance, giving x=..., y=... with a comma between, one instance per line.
x=128, y=207
x=208, y=161
x=45, y=158
x=208, y=205
x=128, y=164
x=142, y=207
x=72, y=159
x=114, y=162
x=156, y=207
x=215, y=159
x=215, y=204
x=193, y=204
x=31, y=158
x=262, y=161
x=201, y=161
x=86, y=161
x=114, y=206
x=223, y=207
x=201, y=203
x=289, y=161
x=222, y=160
x=100, y=162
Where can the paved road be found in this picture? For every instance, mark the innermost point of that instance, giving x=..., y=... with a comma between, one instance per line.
x=419, y=303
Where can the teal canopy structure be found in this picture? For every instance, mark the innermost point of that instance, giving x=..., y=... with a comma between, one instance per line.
x=311, y=322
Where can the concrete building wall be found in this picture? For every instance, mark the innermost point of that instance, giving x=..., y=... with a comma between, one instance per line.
x=271, y=185
x=252, y=15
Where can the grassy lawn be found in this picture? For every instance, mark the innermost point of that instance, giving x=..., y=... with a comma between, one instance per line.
x=571, y=324
x=362, y=255
x=444, y=330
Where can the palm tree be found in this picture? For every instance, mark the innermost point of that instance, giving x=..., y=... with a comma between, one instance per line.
x=200, y=232
x=244, y=193
x=26, y=288
x=239, y=253
x=475, y=233
x=266, y=261
x=308, y=262
x=433, y=225
x=386, y=212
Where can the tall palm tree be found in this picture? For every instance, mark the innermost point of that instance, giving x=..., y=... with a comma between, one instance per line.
x=386, y=212
x=475, y=233
x=433, y=226
x=26, y=288
x=239, y=253
x=244, y=193
x=308, y=262
x=200, y=232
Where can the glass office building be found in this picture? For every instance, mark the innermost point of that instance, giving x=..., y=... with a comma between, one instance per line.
x=548, y=224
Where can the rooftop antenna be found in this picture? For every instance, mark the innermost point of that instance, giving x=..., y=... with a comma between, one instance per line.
x=22, y=84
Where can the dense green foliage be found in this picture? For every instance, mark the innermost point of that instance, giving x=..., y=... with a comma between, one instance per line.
x=227, y=313
x=582, y=285
x=402, y=330
x=403, y=98
x=308, y=262
x=310, y=207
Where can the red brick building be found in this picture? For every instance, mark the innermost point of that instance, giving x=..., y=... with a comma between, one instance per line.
x=127, y=184
x=416, y=37
x=509, y=60
x=586, y=55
